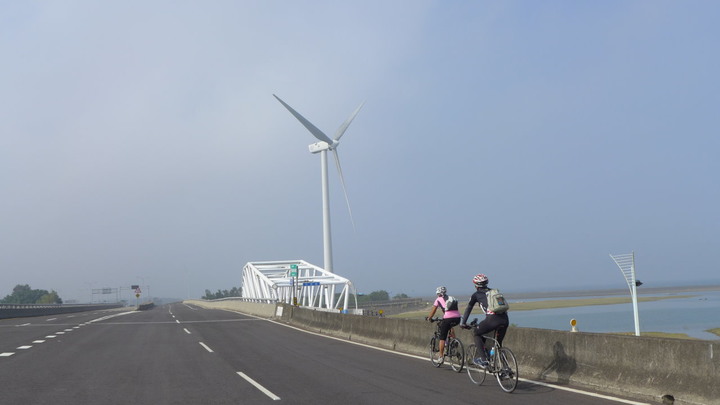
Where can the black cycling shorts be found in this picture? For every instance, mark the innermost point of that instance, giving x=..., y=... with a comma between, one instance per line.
x=445, y=326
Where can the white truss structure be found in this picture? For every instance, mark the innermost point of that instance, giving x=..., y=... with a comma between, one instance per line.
x=295, y=282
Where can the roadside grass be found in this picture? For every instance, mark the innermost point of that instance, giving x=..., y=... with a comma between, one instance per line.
x=660, y=334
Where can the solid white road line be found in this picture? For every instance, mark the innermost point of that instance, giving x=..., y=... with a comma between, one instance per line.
x=592, y=394
x=559, y=387
x=110, y=316
x=258, y=386
x=577, y=391
x=206, y=347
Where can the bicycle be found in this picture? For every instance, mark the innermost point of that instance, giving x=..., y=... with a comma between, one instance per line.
x=501, y=363
x=454, y=349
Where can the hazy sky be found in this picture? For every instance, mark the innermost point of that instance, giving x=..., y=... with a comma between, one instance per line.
x=140, y=142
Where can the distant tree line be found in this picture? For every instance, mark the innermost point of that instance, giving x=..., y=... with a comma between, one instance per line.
x=233, y=292
x=23, y=294
x=380, y=295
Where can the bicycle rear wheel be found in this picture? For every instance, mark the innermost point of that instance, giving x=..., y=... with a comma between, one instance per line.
x=507, y=375
x=434, y=352
x=475, y=372
x=456, y=353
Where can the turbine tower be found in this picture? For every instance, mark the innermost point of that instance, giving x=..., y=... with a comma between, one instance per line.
x=324, y=145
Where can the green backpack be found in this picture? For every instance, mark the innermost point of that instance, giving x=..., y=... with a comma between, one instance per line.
x=496, y=301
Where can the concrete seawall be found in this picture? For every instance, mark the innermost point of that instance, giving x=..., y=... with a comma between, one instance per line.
x=645, y=368
x=637, y=366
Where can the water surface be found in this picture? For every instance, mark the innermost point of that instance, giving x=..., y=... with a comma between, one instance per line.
x=691, y=316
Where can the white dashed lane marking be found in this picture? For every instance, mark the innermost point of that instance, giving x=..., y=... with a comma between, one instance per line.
x=258, y=386
x=8, y=354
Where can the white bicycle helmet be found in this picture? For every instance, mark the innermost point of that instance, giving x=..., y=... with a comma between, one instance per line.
x=480, y=279
x=441, y=290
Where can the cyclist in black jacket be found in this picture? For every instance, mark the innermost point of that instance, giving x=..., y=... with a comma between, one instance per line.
x=491, y=322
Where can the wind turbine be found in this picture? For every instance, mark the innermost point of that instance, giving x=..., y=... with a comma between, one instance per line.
x=322, y=147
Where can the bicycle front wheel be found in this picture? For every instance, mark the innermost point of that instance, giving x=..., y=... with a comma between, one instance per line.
x=475, y=372
x=456, y=353
x=507, y=376
x=434, y=352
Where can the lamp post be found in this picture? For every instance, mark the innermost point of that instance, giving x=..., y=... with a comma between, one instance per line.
x=626, y=263
x=143, y=286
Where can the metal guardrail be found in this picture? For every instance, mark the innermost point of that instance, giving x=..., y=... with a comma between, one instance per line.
x=22, y=306
x=243, y=299
x=29, y=310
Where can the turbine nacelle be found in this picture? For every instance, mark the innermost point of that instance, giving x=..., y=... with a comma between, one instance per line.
x=318, y=147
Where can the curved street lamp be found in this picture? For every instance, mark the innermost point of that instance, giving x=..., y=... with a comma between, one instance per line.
x=626, y=263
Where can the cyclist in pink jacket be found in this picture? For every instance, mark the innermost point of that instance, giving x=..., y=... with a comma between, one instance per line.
x=451, y=317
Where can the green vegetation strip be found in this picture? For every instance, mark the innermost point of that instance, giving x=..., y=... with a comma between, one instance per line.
x=528, y=306
x=715, y=331
x=550, y=304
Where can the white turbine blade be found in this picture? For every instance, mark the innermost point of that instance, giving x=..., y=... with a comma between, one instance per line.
x=312, y=128
x=346, y=124
x=342, y=181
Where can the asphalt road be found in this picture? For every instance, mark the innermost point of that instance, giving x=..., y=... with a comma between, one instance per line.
x=180, y=354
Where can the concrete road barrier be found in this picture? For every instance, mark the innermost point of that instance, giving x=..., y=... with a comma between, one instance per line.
x=636, y=366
